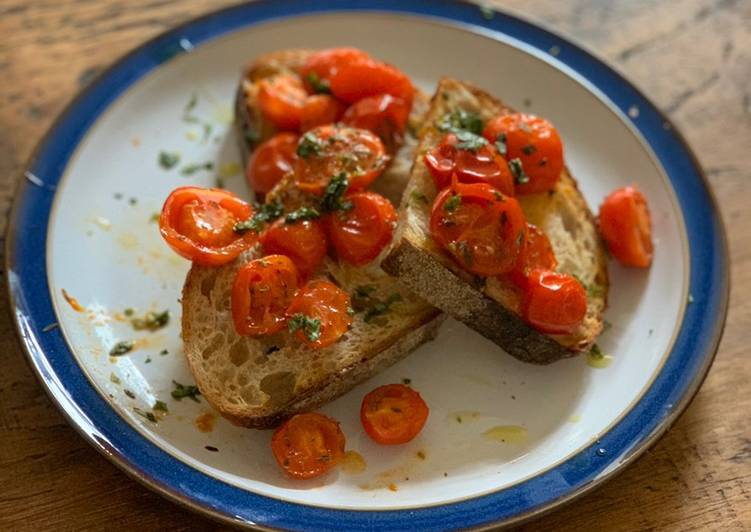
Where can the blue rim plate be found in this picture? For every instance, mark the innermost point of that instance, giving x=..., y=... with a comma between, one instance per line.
x=668, y=395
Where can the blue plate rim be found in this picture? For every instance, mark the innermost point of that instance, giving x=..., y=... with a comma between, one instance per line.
x=50, y=357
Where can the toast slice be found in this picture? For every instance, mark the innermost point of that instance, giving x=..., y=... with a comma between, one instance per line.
x=491, y=306
x=259, y=382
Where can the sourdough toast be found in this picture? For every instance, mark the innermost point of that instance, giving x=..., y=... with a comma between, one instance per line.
x=491, y=306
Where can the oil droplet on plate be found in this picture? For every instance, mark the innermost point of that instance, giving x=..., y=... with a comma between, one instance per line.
x=506, y=434
x=599, y=361
x=392, y=487
x=353, y=463
x=575, y=418
x=127, y=241
x=205, y=422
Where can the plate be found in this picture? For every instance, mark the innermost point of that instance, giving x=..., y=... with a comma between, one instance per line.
x=505, y=440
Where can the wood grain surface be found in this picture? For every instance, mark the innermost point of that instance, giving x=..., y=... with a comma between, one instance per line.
x=692, y=57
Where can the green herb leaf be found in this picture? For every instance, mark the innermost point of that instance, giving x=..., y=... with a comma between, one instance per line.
x=207, y=129
x=310, y=326
x=381, y=307
x=265, y=213
x=190, y=391
x=596, y=353
x=453, y=203
x=309, y=145
x=121, y=348
x=160, y=405
x=114, y=379
x=196, y=167
x=364, y=290
x=318, y=85
x=517, y=170
x=147, y=415
x=529, y=149
x=152, y=321
x=469, y=141
x=500, y=144
x=187, y=116
x=333, y=196
x=487, y=12
x=461, y=120
x=418, y=197
x=302, y=214
x=168, y=160
x=155, y=217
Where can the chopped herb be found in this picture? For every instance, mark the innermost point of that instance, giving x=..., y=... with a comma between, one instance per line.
x=318, y=85
x=302, y=214
x=596, y=353
x=470, y=141
x=190, y=391
x=114, y=379
x=155, y=217
x=121, y=348
x=461, y=120
x=595, y=290
x=129, y=394
x=265, y=213
x=128, y=312
x=333, y=196
x=211, y=448
x=487, y=12
x=207, y=129
x=461, y=246
x=119, y=195
x=381, y=307
x=407, y=382
x=161, y=406
x=163, y=352
x=529, y=149
x=364, y=290
x=218, y=182
x=309, y=145
x=606, y=325
x=196, y=167
x=310, y=326
x=132, y=201
x=187, y=116
x=148, y=360
x=453, y=203
x=152, y=321
x=167, y=160
x=500, y=144
x=418, y=196
x=146, y=415
x=517, y=170
x=48, y=328
x=350, y=311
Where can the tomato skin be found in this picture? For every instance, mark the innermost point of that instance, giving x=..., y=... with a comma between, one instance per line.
x=536, y=253
x=271, y=161
x=361, y=78
x=366, y=158
x=484, y=165
x=198, y=224
x=536, y=143
x=324, y=301
x=262, y=291
x=393, y=414
x=304, y=242
x=360, y=234
x=320, y=109
x=383, y=114
x=626, y=227
x=308, y=445
x=554, y=303
x=281, y=99
x=483, y=230
x=325, y=63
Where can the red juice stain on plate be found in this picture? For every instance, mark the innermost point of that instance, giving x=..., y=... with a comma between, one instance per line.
x=205, y=422
x=72, y=301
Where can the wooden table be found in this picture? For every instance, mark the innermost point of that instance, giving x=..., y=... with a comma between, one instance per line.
x=693, y=57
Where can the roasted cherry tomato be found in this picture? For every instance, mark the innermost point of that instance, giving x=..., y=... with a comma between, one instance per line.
x=308, y=445
x=327, y=151
x=320, y=313
x=323, y=64
x=480, y=164
x=553, y=303
x=281, y=99
x=261, y=293
x=625, y=224
x=384, y=115
x=536, y=253
x=360, y=233
x=358, y=79
x=320, y=109
x=480, y=227
x=198, y=223
x=271, y=161
x=393, y=414
x=303, y=241
x=535, y=143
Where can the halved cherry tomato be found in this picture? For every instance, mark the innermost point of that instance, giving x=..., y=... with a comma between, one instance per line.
x=320, y=313
x=536, y=253
x=198, y=223
x=261, y=293
x=360, y=233
x=384, y=115
x=480, y=227
x=271, y=161
x=393, y=414
x=327, y=151
x=281, y=99
x=308, y=445
x=358, y=79
x=626, y=226
x=320, y=109
x=554, y=303
x=304, y=242
x=323, y=64
x=481, y=165
x=535, y=143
